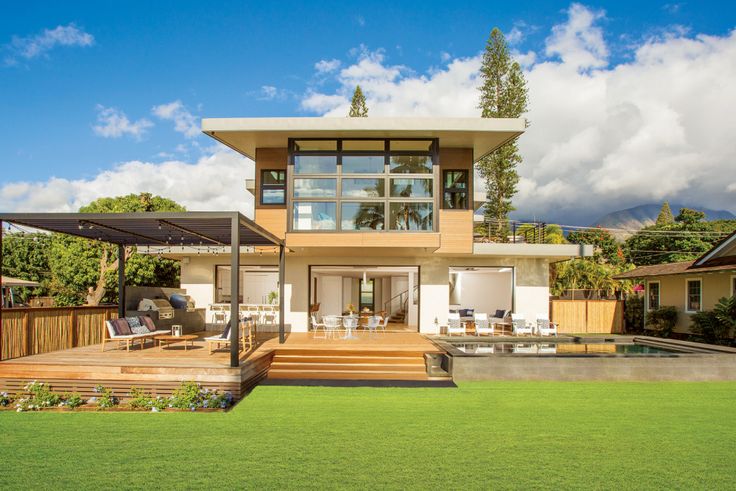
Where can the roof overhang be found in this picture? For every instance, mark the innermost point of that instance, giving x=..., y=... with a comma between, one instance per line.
x=483, y=135
x=551, y=252
x=180, y=229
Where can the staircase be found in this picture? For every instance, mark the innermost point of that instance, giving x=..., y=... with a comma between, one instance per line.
x=398, y=317
x=327, y=364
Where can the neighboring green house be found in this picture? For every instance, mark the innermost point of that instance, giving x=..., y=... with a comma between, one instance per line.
x=690, y=286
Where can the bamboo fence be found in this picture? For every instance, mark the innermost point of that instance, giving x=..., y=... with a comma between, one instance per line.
x=588, y=316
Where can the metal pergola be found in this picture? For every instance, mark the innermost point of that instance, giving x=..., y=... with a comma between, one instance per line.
x=156, y=229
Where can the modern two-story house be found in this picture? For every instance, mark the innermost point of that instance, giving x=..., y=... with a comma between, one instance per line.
x=377, y=216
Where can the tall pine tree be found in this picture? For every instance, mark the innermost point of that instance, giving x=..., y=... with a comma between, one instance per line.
x=358, y=109
x=665, y=216
x=503, y=95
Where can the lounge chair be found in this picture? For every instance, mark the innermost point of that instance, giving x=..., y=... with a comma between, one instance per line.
x=454, y=324
x=499, y=317
x=247, y=336
x=520, y=326
x=545, y=327
x=128, y=330
x=483, y=326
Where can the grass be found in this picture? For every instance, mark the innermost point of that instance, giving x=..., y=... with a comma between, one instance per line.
x=481, y=435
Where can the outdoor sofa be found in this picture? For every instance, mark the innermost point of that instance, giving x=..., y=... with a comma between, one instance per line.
x=131, y=329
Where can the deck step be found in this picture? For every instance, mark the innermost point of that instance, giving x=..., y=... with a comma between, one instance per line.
x=357, y=367
x=345, y=374
x=393, y=360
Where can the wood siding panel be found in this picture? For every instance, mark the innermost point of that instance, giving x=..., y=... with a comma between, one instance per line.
x=273, y=220
x=456, y=232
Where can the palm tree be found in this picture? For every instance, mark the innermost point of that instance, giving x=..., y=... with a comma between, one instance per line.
x=409, y=164
x=410, y=213
x=369, y=215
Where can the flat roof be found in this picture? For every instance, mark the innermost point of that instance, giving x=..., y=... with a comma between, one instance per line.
x=483, y=135
x=189, y=228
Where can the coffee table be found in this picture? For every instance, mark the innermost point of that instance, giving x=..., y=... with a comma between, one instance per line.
x=168, y=339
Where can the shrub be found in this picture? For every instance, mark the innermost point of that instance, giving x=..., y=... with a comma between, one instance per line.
x=192, y=396
x=106, y=399
x=725, y=312
x=72, y=400
x=662, y=321
x=5, y=399
x=39, y=395
x=707, y=328
x=143, y=401
x=634, y=314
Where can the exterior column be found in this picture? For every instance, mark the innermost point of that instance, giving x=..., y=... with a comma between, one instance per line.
x=282, y=275
x=121, y=281
x=2, y=296
x=235, y=292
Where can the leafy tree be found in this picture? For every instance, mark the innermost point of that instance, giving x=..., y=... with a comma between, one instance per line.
x=358, y=108
x=607, y=249
x=687, y=238
x=78, y=264
x=665, y=216
x=689, y=217
x=503, y=95
x=553, y=234
x=25, y=256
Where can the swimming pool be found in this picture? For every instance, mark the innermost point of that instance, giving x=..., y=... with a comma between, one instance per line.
x=556, y=348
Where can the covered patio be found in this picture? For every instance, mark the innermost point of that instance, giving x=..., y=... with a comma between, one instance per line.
x=168, y=230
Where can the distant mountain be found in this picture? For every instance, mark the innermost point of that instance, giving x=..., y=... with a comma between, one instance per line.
x=644, y=215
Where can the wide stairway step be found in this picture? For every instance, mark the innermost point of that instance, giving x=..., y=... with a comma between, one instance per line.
x=348, y=365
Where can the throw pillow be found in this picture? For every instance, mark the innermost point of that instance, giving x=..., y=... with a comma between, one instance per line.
x=148, y=322
x=139, y=329
x=133, y=322
x=121, y=327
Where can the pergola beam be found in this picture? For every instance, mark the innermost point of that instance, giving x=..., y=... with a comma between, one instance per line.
x=191, y=232
x=282, y=275
x=121, y=231
x=121, y=281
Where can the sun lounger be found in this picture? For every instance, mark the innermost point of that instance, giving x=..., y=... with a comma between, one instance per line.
x=128, y=330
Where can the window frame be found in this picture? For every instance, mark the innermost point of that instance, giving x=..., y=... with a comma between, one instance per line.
x=465, y=190
x=282, y=187
x=687, y=295
x=386, y=176
x=659, y=294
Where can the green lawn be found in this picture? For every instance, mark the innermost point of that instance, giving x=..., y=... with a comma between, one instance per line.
x=481, y=435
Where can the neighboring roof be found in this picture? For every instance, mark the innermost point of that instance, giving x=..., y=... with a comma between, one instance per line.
x=717, y=250
x=683, y=267
x=8, y=281
x=244, y=135
x=192, y=228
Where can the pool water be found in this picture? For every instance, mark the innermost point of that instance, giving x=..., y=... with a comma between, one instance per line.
x=538, y=348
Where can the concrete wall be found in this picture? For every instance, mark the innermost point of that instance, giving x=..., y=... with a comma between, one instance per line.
x=672, y=293
x=530, y=276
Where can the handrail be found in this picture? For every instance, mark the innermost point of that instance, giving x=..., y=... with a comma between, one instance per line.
x=403, y=302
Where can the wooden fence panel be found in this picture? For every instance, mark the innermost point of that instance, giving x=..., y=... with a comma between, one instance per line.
x=14, y=336
x=29, y=331
x=587, y=316
x=569, y=315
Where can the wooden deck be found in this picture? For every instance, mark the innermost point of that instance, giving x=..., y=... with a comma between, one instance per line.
x=373, y=356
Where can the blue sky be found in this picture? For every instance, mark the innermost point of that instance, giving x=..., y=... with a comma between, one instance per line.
x=249, y=59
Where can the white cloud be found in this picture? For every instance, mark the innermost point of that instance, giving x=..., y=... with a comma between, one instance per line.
x=40, y=44
x=514, y=36
x=602, y=137
x=113, y=123
x=327, y=66
x=579, y=42
x=271, y=93
x=184, y=121
x=214, y=182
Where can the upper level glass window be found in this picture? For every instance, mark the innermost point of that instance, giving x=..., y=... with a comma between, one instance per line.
x=411, y=188
x=411, y=145
x=363, y=145
x=315, y=164
x=315, y=188
x=364, y=188
x=362, y=164
x=455, y=189
x=411, y=164
x=315, y=215
x=362, y=216
x=273, y=187
x=411, y=216
x=315, y=145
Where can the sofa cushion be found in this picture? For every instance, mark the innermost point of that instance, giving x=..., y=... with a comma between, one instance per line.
x=226, y=332
x=121, y=327
x=147, y=322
